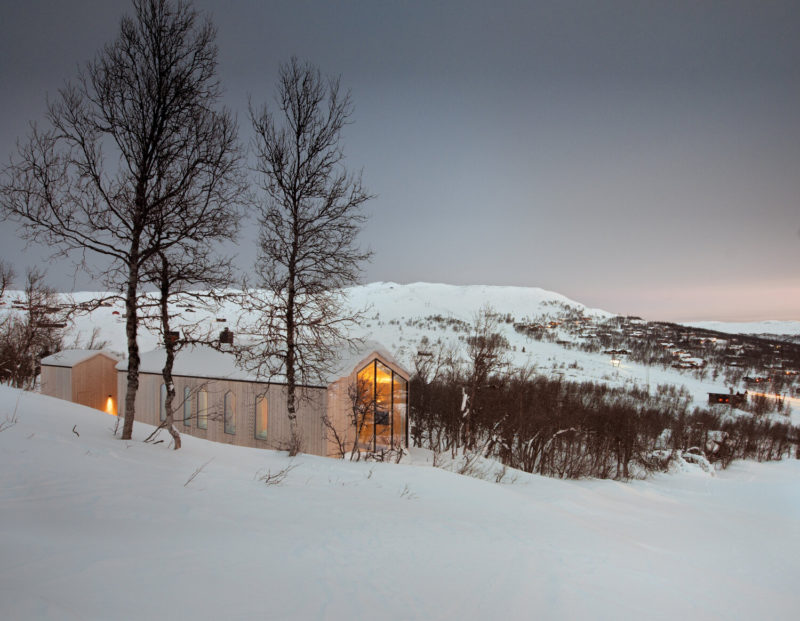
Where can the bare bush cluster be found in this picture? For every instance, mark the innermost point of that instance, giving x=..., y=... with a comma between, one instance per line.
x=571, y=429
x=31, y=330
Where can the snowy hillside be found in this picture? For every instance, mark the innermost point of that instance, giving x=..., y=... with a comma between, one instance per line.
x=92, y=527
x=401, y=316
x=410, y=318
x=387, y=304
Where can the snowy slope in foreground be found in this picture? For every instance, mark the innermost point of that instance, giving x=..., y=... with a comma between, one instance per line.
x=95, y=528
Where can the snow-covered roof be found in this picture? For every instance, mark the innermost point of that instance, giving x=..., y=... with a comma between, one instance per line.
x=194, y=361
x=354, y=357
x=211, y=363
x=71, y=357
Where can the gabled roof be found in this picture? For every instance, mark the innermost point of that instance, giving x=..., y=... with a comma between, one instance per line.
x=208, y=362
x=70, y=357
x=359, y=355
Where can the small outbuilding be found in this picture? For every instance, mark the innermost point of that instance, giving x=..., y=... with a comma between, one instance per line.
x=88, y=377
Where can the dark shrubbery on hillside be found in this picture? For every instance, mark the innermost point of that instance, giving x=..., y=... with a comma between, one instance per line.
x=571, y=430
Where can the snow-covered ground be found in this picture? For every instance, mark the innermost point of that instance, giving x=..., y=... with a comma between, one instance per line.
x=92, y=527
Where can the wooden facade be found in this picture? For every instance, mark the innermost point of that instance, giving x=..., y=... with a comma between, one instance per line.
x=245, y=401
x=85, y=377
x=215, y=400
x=57, y=382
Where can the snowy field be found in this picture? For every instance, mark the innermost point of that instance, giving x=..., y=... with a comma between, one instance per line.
x=92, y=527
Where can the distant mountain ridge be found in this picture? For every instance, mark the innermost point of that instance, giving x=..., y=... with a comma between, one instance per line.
x=766, y=327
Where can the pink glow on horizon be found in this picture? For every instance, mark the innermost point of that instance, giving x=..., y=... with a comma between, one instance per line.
x=720, y=302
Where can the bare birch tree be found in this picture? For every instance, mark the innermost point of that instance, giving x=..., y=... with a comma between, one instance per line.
x=485, y=356
x=178, y=276
x=6, y=277
x=310, y=218
x=136, y=134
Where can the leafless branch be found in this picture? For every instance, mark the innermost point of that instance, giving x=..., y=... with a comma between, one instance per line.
x=197, y=471
x=278, y=477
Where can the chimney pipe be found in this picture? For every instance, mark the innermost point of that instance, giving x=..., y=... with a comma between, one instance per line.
x=226, y=337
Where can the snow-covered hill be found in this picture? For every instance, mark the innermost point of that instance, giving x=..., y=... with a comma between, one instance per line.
x=401, y=316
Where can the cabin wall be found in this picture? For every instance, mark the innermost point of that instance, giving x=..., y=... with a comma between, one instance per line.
x=340, y=436
x=93, y=381
x=57, y=382
x=311, y=406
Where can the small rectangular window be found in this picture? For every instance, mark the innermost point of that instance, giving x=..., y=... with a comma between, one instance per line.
x=202, y=409
x=162, y=403
x=187, y=406
x=229, y=414
x=262, y=414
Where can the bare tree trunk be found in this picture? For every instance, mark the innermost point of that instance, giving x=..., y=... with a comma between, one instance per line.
x=169, y=346
x=131, y=327
x=291, y=400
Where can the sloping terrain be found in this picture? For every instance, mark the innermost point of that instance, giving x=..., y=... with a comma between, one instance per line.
x=92, y=527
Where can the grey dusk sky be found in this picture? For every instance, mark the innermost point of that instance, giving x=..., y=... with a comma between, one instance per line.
x=641, y=157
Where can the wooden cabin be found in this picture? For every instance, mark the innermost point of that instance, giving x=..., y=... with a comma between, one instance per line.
x=88, y=377
x=217, y=398
x=733, y=399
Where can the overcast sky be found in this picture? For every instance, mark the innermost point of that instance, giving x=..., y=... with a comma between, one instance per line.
x=641, y=157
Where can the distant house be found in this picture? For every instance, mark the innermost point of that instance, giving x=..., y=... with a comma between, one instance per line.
x=734, y=399
x=88, y=377
x=219, y=399
x=755, y=381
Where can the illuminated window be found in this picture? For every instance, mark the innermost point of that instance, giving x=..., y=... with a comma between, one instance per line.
x=229, y=413
x=262, y=413
x=202, y=409
x=382, y=403
x=365, y=401
x=187, y=406
x=162, y=404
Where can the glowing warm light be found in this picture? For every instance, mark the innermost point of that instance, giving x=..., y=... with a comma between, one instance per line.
x=110, y=409
x=794, y=400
